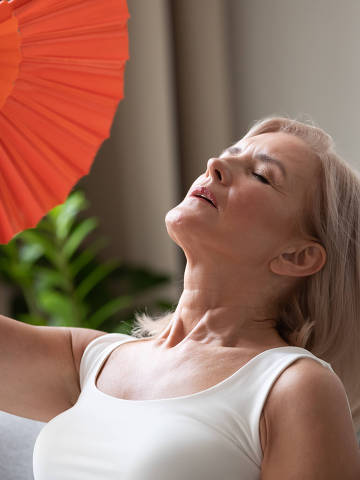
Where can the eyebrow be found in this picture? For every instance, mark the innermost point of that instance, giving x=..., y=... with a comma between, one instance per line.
x=260, y=156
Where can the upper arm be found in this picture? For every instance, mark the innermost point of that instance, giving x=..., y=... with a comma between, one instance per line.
x=80, y=338
x=39, y=375
x=310, y=433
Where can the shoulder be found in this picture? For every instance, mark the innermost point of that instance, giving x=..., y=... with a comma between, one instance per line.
x=308, y=417
x=306, y=388
x=304, y=380
x=85, y=340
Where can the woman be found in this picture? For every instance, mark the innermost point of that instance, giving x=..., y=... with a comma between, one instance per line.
x=226, y=386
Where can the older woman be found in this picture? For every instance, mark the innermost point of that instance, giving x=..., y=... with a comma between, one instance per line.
x=229, y=384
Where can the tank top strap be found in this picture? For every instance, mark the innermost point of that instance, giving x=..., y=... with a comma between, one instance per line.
x=96, y=351
x=248, y=392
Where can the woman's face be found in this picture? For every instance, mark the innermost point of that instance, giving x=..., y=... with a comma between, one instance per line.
x=255, y=217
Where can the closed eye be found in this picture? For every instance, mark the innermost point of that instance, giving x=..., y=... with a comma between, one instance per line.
x=263, y=179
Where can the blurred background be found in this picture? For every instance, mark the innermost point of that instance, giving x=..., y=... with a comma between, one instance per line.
x=200, y=73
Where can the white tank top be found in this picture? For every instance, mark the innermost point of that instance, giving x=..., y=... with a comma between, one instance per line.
x=209, y=435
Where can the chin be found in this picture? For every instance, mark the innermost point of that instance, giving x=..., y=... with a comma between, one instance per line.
x=179, y=225
x=174, y=223
x=177, y=216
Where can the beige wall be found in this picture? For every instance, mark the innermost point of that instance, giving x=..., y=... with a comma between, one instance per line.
x=168, y=125
x=298, y=57
x=203, y=81
x=133, y=182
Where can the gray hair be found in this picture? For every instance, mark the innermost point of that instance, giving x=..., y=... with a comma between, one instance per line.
x=323, y=313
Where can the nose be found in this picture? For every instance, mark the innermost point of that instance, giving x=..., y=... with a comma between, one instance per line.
x=218, y=170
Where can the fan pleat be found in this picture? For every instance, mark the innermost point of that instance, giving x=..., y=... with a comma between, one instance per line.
x=64, y=139
x=101, y=89
x=14, y=192
x=49, y=66
x=8, y=29
x=64, y=94
x=29, y=192
x=10, y=57
x=91, y=110
x=101, y=47
x=59, y=14
x=59, y=124
x=50, y=157
x=7, y=226
x=37, y=179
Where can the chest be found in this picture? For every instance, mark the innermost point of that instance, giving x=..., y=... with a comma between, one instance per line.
x=133, y=373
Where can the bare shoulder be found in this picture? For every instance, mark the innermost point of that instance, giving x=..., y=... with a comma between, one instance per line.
x=309, y=429
x=80, y=338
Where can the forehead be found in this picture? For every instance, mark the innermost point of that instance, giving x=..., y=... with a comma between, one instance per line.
x=296, y=156
x=291, y=150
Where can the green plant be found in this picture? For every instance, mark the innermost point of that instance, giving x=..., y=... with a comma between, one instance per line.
x=60, y=282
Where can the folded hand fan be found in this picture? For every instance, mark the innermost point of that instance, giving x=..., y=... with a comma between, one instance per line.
x=61, y=79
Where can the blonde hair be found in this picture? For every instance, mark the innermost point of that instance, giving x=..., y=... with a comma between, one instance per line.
x=323, y=313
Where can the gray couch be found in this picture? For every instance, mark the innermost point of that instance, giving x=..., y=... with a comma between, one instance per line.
x=17, y=441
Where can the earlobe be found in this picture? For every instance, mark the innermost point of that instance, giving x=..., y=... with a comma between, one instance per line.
x=306, y=260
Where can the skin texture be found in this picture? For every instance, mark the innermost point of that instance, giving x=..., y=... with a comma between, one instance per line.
x=245, y=252
x=239, y=257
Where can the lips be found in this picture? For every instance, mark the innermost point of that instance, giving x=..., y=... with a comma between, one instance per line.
x=205, y=192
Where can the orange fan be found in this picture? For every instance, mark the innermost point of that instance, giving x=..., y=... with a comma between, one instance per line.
x=61, y=78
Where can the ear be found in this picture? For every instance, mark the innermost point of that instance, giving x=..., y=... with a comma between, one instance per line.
x=300, y=261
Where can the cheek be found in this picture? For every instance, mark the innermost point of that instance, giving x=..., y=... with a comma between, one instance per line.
x=259, y=211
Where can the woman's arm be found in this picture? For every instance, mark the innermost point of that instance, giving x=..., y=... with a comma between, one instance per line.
x=310, y=430
x=38, y=375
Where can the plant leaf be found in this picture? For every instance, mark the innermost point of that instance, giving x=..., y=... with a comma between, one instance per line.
x=81, y=261
x=46, y=226
x=57, y=304
x=22, y=273
x=137, y=279
x=5, y=264
x=46, y=277
x=125, y=326
x=29, y=253
x=109, y=309
x=78, y=235
x=10, y=249
x=98, y=274
x=63, y=216
x=32, y=237
x=32, y=319
x=86, y=256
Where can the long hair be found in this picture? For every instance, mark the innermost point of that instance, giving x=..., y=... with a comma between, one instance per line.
x=323, y=313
